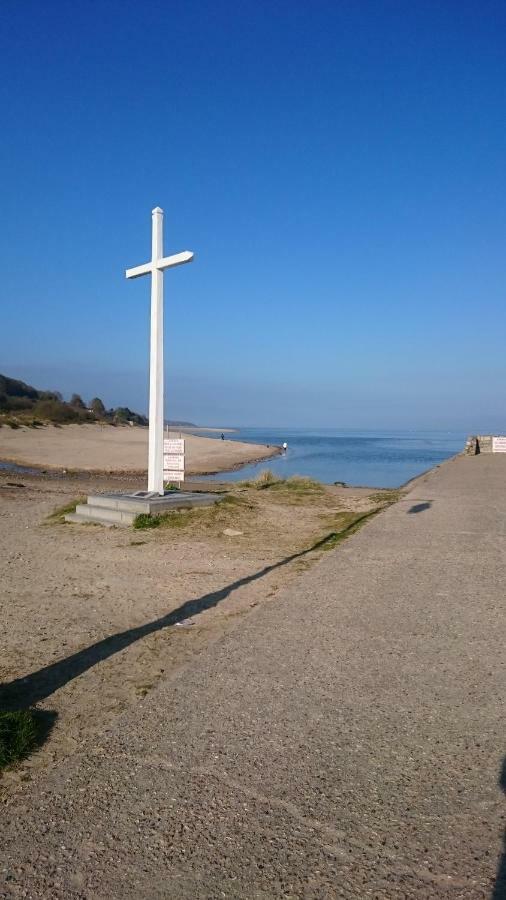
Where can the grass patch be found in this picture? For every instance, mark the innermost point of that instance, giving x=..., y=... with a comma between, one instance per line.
x=19, y=735
x=145, y=520
x=12, y=423
x=232, y=501
x=389, y=495
x=143, y=689
x=204, y=516
x=299, y=484
x=58, y=516
x=176, y=518
x=296, y=490
x=347, y=523
x=295, y=486
x=265, y=479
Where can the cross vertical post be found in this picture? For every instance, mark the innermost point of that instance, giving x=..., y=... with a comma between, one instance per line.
x=155, y=268
x=156, y=385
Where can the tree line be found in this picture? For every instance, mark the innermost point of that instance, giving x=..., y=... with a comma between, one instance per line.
x=25, y=403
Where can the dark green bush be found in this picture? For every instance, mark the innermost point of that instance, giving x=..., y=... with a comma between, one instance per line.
x=18, y=735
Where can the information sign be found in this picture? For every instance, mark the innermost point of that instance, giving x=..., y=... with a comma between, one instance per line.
x=171, y=475
x=173, y=461
x=173, y=445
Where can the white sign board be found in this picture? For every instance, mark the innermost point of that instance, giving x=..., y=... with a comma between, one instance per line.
x=173, y=461
x=173, y=445
x=499, y=444
x=171, y=475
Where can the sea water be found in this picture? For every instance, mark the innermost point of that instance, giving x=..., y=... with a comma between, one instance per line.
x=373, y=459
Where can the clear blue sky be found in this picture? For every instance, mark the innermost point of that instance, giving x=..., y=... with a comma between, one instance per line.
x=339, y=169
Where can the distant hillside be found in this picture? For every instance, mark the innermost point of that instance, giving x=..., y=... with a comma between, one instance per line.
x=22, y=404
x=174, y=422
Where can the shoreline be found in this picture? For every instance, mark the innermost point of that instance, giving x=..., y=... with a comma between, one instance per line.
x=202, y=461
x=92, y=449
x=411, y=481
x=47, y=469
x=187, y=429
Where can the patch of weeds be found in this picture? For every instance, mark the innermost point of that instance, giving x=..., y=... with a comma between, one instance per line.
x=389, y=495
x=21, y=731
x=144, y=689
x=264, y=479
x=172, y=487
x=297, y=490
x=58, y=516
x=137, y=543
x=204, y=516
x=12, y=423
x=178, y=518
x=299, y=484
x=302, y=564
x=233, y=501
x=145, y=520
x=295, y=485
x=348, y=524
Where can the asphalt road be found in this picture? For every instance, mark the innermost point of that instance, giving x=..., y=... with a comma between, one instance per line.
x=346, y=740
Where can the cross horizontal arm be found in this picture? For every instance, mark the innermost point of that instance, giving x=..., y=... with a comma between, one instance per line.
x=167, y=262
x=139, y=270
x=176, y=260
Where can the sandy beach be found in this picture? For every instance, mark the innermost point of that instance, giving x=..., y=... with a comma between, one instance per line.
x=121, y=449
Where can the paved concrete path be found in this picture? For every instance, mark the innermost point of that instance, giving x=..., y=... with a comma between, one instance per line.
x=347, y=740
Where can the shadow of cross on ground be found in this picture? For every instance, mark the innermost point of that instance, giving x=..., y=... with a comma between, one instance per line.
x=38, y=685
x=420, y=507
x=499, y=891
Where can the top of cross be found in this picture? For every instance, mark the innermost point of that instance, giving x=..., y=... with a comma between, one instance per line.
x=158, y=260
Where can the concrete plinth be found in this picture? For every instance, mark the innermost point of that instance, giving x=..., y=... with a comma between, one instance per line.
x=122, y=509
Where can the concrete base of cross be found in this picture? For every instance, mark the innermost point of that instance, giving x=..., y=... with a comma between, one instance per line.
x=122, y=509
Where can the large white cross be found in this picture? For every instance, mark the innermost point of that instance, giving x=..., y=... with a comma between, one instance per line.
x=156, y=268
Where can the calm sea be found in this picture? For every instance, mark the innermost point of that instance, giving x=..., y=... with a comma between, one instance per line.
x=374, y=459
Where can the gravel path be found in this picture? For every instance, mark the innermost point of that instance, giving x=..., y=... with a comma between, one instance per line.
x=345, y=741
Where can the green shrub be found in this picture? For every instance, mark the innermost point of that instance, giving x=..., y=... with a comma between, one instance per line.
x=17, y=403
x=98, y=407
x=18, y=735
x=55, y=411
x=145, y=520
